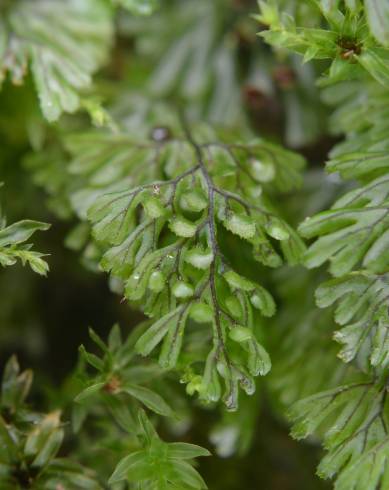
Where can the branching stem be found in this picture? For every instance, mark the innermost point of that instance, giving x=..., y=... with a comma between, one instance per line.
x=213, y=240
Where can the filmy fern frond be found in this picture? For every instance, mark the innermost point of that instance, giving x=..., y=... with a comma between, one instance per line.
x=62, y=51
x=354, y=232
x=362, y=311
x=161, y=205
x=352, y=235
x=352, y=420
x=303, y=351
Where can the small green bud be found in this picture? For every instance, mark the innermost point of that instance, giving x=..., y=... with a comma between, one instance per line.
x=199, y=258
x=182, y=289
x=133, y=280
x=157, y=282
x=183, y=227
x=194, y=385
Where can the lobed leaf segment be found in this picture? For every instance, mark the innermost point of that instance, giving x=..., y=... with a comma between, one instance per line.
x=352, y=420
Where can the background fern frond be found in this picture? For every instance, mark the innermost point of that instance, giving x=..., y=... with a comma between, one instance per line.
x=62, y=51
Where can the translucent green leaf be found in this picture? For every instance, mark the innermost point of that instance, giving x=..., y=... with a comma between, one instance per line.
x=157, y=281
x=153, y=207
x=182, y=289
x=62, y=51
x=262, y=300
x=237, y=281
x=12, y=246
x=378, y=16
x=353, y=232
x=276, y=229
x=15, y=384
x=150, y=339
x=240, y=225
x=201, y=259
x=44, y=440
x=240, y=334
x=139, y=7
x=368, y=472
x=259, y=360
x=188, y=475
x=201, y=313
x=150, y=399
x=352, y=421
x=375, y=61
x=20, y=232
x=132, y=463
x=183, y=450
x=194, y=200
x=90, y=391
x=362, y=311
x=183, y=228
